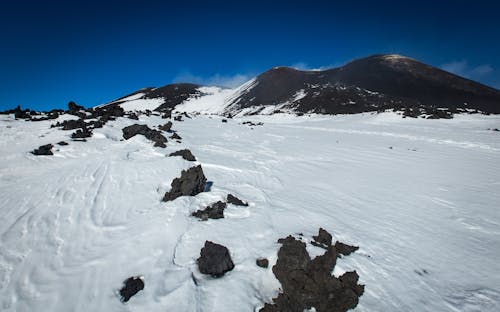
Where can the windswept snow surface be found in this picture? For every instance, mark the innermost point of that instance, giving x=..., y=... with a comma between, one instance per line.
x=213, y=101
x=420, y=198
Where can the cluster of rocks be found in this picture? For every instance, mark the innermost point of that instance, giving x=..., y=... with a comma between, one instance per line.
x=150, y=134
x=252, y=124
x=216, y=210
x=308, y=283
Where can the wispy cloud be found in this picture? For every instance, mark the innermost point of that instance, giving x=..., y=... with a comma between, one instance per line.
x=305, y=66
x=230, y=81
x=462, y=68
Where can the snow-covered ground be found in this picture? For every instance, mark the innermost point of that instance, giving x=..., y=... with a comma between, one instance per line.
x=420, y=198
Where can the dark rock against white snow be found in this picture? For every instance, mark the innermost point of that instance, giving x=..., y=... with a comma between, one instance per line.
x=185, y=153
x=150, y=134
x=214, y=260
x=214, y=211
x=231, y=199
x=190, y=183
x=309, y=283
x=323, y=239
x=166, y=127
x=43, y=150
x=131, y=286
x=262, y=262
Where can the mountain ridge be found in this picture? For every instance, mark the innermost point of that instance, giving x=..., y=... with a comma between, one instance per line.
x=374, y=83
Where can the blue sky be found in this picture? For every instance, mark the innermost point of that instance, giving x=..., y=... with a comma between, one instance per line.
x=91, y=52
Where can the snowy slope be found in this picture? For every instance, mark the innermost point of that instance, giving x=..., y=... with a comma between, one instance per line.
x=420, y=198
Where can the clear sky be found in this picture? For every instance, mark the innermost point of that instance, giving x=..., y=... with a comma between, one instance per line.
x=91, y=52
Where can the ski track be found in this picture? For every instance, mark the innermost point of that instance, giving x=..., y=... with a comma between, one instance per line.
x=417, y=196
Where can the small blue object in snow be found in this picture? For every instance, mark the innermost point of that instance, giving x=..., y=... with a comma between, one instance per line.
x=208, y=186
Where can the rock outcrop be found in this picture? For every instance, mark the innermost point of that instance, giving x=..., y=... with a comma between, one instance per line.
x=190, y=183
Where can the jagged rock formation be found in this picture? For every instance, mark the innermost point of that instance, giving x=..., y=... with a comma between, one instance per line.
x=150, y=134
x=309, y=283
x=190, y=183
x=184, y=153
x=214, y=211
x=231, y=199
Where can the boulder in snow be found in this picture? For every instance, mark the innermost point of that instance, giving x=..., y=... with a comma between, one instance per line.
x=131, y=286
x=214, y=260
x=185, y=153
x=214, y=211
x=231, y=199
x=190, y=183
x=150, y=134
x=43, y=150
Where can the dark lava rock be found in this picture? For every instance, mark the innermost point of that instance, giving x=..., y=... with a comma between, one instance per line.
x=166, y=127
x=150, y=134
x=323, y=239
x=62, y=143
x=175, y=136
x=72, y=124
x=133, y=116
x=215, y=211
x=345, y=249
x=231, y=199
x=20, y=114
x=166, y=115
x=262, y=262
x=309, y=283
x=224, y=120
x=185, y=153
x=214, y=260
x=82, y=133
x=191, y=182
x=186, y=115
x=178, y=118
x=131, y=286
x=43, y=150
x=73, y=107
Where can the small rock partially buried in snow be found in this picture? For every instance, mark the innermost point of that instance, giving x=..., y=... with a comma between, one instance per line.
x=45, y=150
x=214, y=211
x=131, y=286
x=190, y=183
x=231, y=199
x=214, y=260
x=185, y=153
x=262, y=262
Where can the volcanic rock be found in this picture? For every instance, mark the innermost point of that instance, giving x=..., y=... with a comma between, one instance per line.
x=323, y=239
x=215, y=211
x=166, y=127
x=309, y=283
x=131, y=286
x=153, y=135
x=214, y=260
x=185, y=153
x=175, y=136
x=262, y=262
x=190, y=183
x=231, y=199
x=43, y=150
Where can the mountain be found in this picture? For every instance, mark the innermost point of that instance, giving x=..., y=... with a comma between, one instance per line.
x=375, y=83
